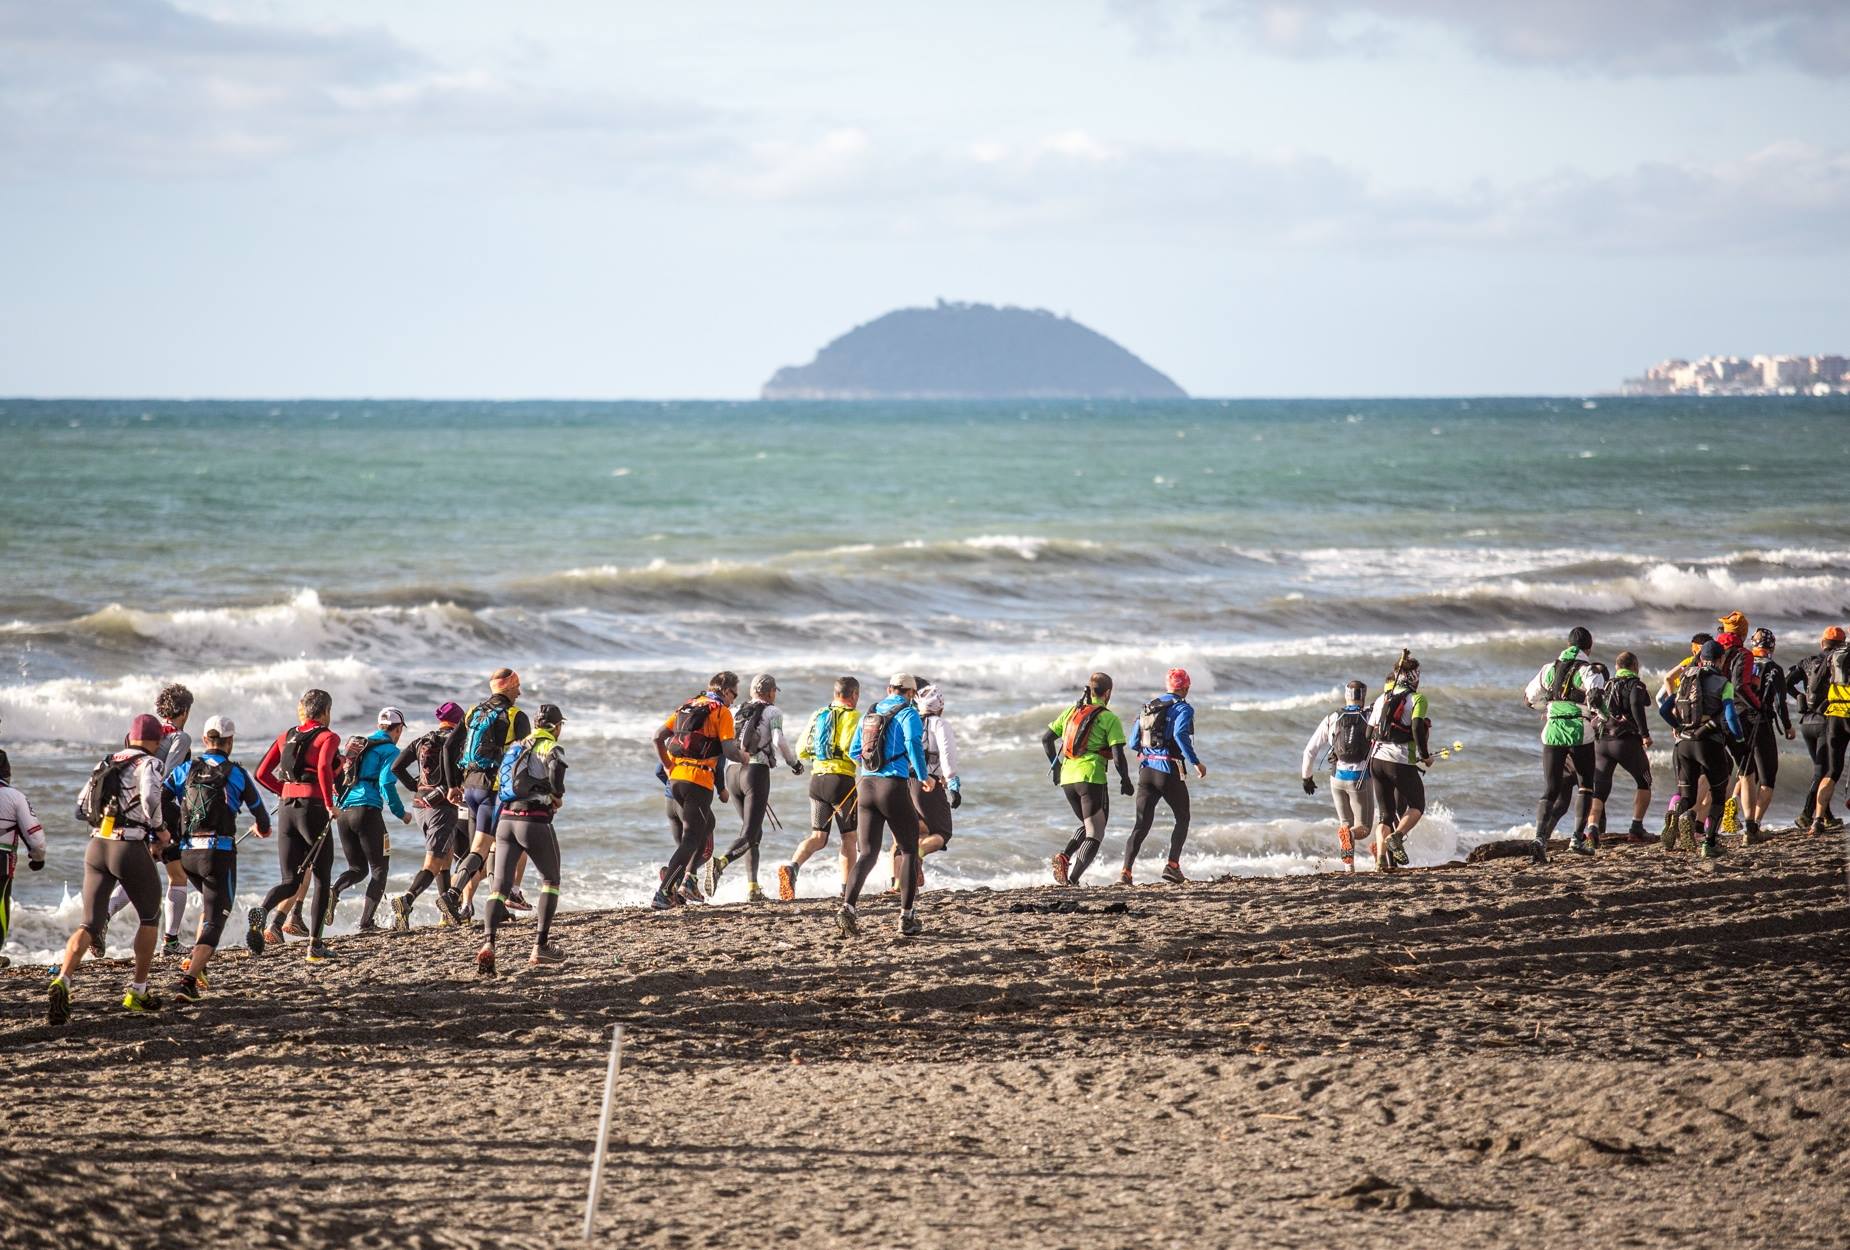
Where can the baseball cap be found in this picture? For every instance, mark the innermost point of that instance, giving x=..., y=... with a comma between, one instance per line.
x=449, y=712
x=549, y=714
x=390, y=716
x=145, y=728
x=221, y=727
x=903, y=681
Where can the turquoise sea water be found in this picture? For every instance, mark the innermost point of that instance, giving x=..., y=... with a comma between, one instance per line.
x=618, y=553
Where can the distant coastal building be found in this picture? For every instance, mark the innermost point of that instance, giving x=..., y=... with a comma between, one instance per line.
x=972, y=351
x=1733, y=375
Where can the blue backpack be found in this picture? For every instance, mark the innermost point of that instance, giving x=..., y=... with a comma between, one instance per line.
x=523, y=777
x=488, y=728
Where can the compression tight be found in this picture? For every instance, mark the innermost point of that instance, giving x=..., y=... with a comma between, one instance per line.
x=1153, y=787
x=1564, y=768
x=1091, y=803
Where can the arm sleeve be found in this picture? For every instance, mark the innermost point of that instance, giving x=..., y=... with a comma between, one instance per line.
x=912, y=734
x=266, y=768
x=388, y=782
x=1318, y=744
x=1185, y=732
x=1641, y=711
x=555, y=772
x=403, y=764
x=1730, y=717
x=778, y=740
x=252, y=798
x=1776, y=698
x=327, y=749
x=148, y=791
x=947, y=747
x=1050, y=743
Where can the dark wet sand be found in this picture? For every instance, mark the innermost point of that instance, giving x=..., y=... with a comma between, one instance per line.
x=1640, y=1051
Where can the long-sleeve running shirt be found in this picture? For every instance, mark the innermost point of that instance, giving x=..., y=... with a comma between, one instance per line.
x=322, y=754
x=1181, y=735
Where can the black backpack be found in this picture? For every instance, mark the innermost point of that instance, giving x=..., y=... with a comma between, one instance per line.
x=873, y=737
x=690, y=739
x=352, y=759
x=1349, y=738
x=297, y=760
x=1696, y=710
x=1153, y=721
x=1617, y=721
x=1390, y=729
x=1563, y=690
x=204, y=807
x=753, y=734
x=1814, y=675
x=102, y=794
x=430, y=751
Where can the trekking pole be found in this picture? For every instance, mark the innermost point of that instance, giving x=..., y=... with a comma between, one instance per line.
x=845, y=800
x=603, y=1131
x=770, y=811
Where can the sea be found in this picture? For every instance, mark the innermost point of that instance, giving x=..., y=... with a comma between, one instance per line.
x=616, y=554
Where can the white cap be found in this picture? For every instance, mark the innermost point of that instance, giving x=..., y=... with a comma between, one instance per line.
x=904, y=681
x=390, y=716
x=221, y=727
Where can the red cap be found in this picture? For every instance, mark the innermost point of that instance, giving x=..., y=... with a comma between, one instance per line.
x=1834, y=634
x=145, y=728
x=1178, y=679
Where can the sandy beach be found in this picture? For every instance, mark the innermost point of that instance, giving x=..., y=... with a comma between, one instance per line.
x=1641, y=1051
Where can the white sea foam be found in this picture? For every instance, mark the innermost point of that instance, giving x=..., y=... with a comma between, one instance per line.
x=1673, y=586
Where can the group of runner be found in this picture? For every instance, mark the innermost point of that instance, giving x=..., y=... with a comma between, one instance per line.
x=1727, y=705
x=487, y=782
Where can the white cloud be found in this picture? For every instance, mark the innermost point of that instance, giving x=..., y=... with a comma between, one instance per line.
x=147, y=86
x=1605, y=36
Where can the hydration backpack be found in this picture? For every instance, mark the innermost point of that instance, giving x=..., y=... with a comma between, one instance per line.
x=102, y=794
x=1394, y=707
x=690, y=739
x=754, y=732
x=1814, y=674
x=524, y=778
x=297, y=760
x=822, y=737
x=430, y=750
x=1079, y=724
x=1349, y=738
x=1617, y=721
x=488, y=726
x=1153, y=722
x=1562, y=689
x=1696, y=709
x=873, y=736
x=1739, y=667
x=204, y=807
x=352, y=760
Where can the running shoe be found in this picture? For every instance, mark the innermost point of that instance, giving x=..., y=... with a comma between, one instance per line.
x=1831, y=822
x=1059, y=868
x=273, y=936
x=187, y=988
x=909, y=925
x=661, y=901
x=449, y=906
x=485, y=962
x=1397, y=850
x=1345, y=842
x=295, y=926
x=5, y=962
x=253, y=930
x=1711, y=847
x=1538, y=852
x=846, y=922
x=1638, y=834
x=467, y=914
x=1124, y=877
x=517, y=902
x=141, y=1000
x=318, y=952
x=1580, y=846
x=545, y=953
x=787, y=882
x=690, y=889
x=327, y=917
x=1750, y=833
x=715, y=867
x=170, y=945
x=58, y=1001
x=1593, y=838
x=401, y=914
x=369, y=927
x=100, y=946
x=754, y=893
x=1172, y=873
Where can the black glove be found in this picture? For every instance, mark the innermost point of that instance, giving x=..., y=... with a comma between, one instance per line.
x=1125, y=787
x=797, y=769
x=1310, y=786
x=957, y=799
x=35, y=864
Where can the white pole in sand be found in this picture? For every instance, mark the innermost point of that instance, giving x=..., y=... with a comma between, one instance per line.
x=603, y=1131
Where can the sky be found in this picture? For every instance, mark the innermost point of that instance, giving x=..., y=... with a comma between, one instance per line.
x=627, y=198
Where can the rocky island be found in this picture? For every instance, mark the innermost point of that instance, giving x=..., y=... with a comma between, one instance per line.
x=972, y=351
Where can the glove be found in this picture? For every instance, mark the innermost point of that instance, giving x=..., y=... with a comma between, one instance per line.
x=957, y=799
x=1310, y=786
x=35, y=864
x=1125, y=787
x=797, y=768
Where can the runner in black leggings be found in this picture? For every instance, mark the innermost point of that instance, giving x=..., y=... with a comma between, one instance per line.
x=531, y=789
